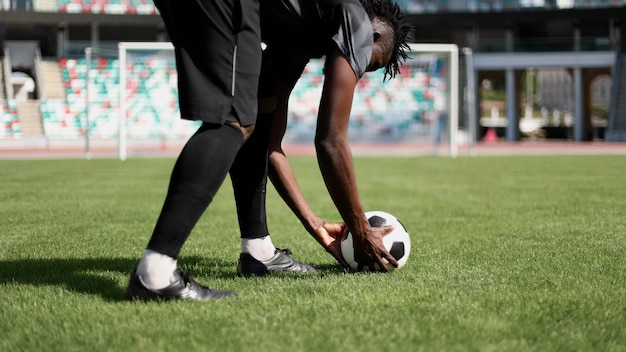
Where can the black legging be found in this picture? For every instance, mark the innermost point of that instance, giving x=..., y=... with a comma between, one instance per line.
x=249, y=178
x=197, y=175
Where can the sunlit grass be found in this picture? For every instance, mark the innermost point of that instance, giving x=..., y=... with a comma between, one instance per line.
x=521, y=253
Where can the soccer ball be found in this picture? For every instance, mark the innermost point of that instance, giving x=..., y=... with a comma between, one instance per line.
x=397, y=242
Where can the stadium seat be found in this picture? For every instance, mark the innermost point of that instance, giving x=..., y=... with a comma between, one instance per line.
x=152, y=105
x=10, y=120
x=113, y=7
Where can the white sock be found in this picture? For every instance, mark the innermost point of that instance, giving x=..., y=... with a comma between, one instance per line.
x=259, y=248
x=156, y=270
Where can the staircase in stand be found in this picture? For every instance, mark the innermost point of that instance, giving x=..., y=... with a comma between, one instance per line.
x=30, y=118
x=29, y=110
x=54, y=87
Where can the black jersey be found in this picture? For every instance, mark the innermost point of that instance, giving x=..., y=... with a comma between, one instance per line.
x=306, y=29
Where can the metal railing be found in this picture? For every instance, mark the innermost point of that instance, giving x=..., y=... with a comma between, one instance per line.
x=435, y=6
x=548, y=44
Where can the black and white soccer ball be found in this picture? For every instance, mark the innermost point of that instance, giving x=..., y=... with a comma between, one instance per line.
x=397, y=242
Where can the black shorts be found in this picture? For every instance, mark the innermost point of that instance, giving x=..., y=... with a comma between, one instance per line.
x=218, y=57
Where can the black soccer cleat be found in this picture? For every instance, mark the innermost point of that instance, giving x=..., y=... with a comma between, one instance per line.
x=280, y=262
x=183, y=288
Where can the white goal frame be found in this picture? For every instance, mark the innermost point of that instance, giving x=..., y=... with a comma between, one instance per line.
x=453, y=87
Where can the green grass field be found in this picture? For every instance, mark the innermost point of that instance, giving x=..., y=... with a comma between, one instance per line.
x=518, y=253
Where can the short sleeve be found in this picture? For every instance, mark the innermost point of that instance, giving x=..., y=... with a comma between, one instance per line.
x=354, y=36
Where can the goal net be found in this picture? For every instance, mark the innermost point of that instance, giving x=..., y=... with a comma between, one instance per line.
x=128, y=95
x=419, y=106
x=148, y=101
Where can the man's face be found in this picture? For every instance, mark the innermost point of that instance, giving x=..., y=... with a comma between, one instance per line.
x=380, y=57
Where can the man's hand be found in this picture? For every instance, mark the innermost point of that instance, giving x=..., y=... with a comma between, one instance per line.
x=329, y=235
x=369, y=249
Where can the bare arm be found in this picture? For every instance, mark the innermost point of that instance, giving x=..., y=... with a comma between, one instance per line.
x=336, y=164
x=329, y=235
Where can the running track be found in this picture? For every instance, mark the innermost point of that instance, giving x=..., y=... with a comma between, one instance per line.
x=63, y=149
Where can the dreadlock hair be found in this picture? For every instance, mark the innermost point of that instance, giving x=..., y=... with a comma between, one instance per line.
x=389, y=12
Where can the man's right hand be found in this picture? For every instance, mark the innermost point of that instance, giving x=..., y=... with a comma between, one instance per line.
x=370, y=251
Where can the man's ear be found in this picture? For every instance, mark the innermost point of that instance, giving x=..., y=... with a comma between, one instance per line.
x=376, y=36
x=379, y=27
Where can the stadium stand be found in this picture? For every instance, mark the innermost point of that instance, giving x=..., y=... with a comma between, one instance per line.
x=112, y=7
x=383, y=111
x=568, y=31
x=151, y=90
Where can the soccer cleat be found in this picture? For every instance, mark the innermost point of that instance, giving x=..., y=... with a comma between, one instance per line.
x=280, y=262
x=183, y=288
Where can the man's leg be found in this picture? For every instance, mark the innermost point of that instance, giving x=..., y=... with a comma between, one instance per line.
x=249, y=177
x=198, y=173
x=214, y=86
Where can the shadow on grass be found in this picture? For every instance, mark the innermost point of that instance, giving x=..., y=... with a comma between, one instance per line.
x=95, y=276
x=100, y=276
